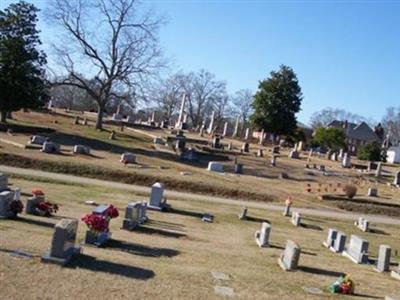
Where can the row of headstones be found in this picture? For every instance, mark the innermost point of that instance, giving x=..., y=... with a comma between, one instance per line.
x=357, y=250
x=63, y=245
x=51, y=147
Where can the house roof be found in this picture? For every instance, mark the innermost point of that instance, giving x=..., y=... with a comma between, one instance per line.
x=359, y=132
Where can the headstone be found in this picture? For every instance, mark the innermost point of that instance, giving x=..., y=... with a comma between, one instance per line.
x=128, y=158
x=181, y=112
x=230, y=146
x=211, y=125
x=157, y=200
x=112, y=135
x=262, y=235
x=245, y=147
x=32, y=203
x=224, y=291
x=225, y=129
x=341, y=151
x=216, y=142
x=346, y=161
x=50, y=105
x=294, y=154
x=322, y=168
x=63, y=243
x=80, y=149
x=261, y=138
x=310, y=153
x=246, y=135
x=273, y=160
x=116, y=117
x=334, y=156
x=396, y=180
x=330, y=240
x=378, y=169
x=290, y=257
x=3, y=181
x=50, y=147
x=215, y=166
x=201, y=133
x=362, y=224
x=286, y=212
x=372, y=192
x=236, y=130
x=383, y=264
x=243, y=214
x=339, y=243
x=396, y=273
x=207, y=218
x=260, y=153
x=158, y=141
x=300, y=146
x=17, y=194
x=38, y=140
x=238, y=169
x=132, y=216
x=5, y=200
x=357, y=251
x=296, y=219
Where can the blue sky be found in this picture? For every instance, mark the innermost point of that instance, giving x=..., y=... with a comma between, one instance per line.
x=346, y=53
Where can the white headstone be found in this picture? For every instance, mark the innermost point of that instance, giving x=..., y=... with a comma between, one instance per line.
x=262, y=235
x=357, y=251
x=225, y=129
x=383, y=264
x=236, y=130
x=211, y=125
x=290, y=257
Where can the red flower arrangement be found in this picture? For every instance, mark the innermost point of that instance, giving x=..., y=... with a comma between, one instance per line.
x=46, y=208
x=100, y=223
x=37, y=192
x=16, y=207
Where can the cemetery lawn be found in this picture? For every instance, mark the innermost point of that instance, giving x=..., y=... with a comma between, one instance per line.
x=259, y=182
x=172, y=256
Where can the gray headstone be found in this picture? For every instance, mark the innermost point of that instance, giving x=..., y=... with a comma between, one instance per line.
x=262, y=235
x=132, y=216
x=63, y=243
x=357, y=250
x=260, y=153
x=294, y=154
x=346, y=161
x=383, y=264
x=378, y=170
x=128, y=157
x=5, y=200
x=37, y=140
x=50, y=147
x=330, y=240
x=81, y=149
x=339, y=243
x=32, y=203
x=243, y=214
x=286, y=211
x=296, y=219
x=156, y=195
x=290, y=257
x=372, y=192
x=215, y=166
x=3, y=181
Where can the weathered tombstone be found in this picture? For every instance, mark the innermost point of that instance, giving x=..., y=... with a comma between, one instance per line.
x=296, y=219
x=330, y=240
x=215, y=166
x=63, y=243
x=5, y=200
x=383, y=264
x=346, y=161
x=157, y=200
x=396, y=180
x=50, y=147
x=38, y=140
x=132, y=216
x=80, y=149
x=372, y=192
x=3, y=181
x=236, y=130
x=246, y=135
x=334, y=156
x=238, y=168
x=181, y=112
x=243, y=214
x=128, y=158
x=262, y=235
x=378, y=170
x=32, y=203
x=290, y=257
x=225, y=129
x=396, y=273
x=339, y=243
x=357, y=251
x=362, y=224
x=260, y=153
x=245, y=147
x=294, y=154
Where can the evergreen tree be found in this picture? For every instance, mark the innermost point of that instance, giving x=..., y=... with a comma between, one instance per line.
x=22, y=81
x=276, y=102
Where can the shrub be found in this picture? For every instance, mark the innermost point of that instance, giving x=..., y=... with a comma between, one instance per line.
x=371, y=152
x=350, y=190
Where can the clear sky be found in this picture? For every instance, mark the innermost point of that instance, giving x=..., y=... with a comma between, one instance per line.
x=346, y=53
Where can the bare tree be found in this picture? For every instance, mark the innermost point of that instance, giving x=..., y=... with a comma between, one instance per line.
x=391, y=124
x=168, y=94
x=241, y=105
x=112, y=41
x=201, y=88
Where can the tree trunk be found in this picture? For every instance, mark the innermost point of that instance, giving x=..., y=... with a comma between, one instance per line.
x=3, y=117
x=99, y=120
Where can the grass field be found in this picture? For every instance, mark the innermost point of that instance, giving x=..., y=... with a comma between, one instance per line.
x=173, y=255
x=259, y=182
